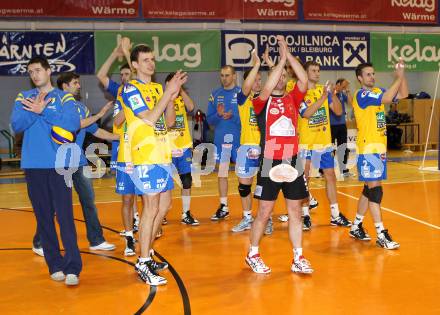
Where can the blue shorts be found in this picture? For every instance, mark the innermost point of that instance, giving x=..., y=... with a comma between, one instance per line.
x=248, y=161
x=320, y=158
x=153, y=178
x=372, y=167
x=183, y=162
x=124, y=182
x=114, y=158
x=226, y=152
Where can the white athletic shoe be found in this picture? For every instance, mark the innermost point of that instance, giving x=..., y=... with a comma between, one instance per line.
x=244, y=224
x=71, y=279
x=384, y=240
x=103, y=246
x=302, y=265
x=283, y=218
x=58, y=276
x=257, y=264
x=38, y=250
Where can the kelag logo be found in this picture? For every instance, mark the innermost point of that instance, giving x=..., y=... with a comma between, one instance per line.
x=239, y=49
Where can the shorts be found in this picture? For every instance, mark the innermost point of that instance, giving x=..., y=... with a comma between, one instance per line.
x=372, y=167
x=320, y=158
x=266, y=189
x=124, y=182
x=248, y=161
x=183, y=162
x=226, y=152
x=153, y=178
x=114, y=158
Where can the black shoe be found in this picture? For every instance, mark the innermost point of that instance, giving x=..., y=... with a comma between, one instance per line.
x=307, y=223
x=341, y=220
x=384, y=240
x=359, y=233
x=221, y=213
x=130, y=249
x=188, y=219
x=156, y=266
x=148, y=275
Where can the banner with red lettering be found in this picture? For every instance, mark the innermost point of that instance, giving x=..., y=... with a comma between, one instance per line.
x=98, y=9
x=221, y=9
x=384, y=11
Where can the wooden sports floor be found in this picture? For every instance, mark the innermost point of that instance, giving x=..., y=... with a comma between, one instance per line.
x=207, y=273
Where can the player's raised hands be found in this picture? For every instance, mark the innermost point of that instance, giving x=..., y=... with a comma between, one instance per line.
x=400, y=68
x=36, y=105
x=266, y=58
x=176, y=83
x=255, y=59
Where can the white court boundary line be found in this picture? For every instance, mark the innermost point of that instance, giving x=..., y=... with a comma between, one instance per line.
x=397, y=213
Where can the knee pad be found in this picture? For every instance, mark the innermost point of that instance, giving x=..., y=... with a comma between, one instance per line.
x=244, y=190
x=375, y=194
x=186, y=180
x=365, y=191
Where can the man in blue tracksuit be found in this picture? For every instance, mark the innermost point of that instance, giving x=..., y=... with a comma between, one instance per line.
x=69, y=82
x=223, y=115
x=35, y=112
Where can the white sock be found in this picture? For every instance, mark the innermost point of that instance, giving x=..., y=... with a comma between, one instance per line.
x=151, y=252
x=297, y=253
x=186, y=201
x=144, y=259
x=247, y=214
x=224, y=200
x=129, y=233
x=253, y=250
x=334, y=208
x=305, y=210
x=379, y=227
x=358, y=220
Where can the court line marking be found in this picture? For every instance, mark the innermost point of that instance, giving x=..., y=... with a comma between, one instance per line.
x=397, y=213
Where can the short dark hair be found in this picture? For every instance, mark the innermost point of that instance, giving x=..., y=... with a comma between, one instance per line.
x=41, y=60
x=229, y=67
x=125, y=66
x=141, y=48
x=169, y=77
x=361, y=67
x=340, y=81
x=308, y=64
x=66, y=78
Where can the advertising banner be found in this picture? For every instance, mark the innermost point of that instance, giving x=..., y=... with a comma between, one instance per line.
x=332, y=50
x=421, y=52
x=98, y=9
x=66, y=51
x=385, y=11
x=221, y=9
x=186, y=50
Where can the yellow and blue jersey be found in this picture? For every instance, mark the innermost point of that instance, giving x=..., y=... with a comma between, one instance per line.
x=250, y=133
x=314, y=132
x=369, y=112
x=149, y=144
x=179, y=134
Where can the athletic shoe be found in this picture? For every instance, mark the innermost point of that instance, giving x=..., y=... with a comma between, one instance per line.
x=313, y=203
x=58, y=276
x=384, y=240
x=307, y=223
x=157, y=266
x=359, y=233
x=130, y=249
x=221, y=213
x=164, y=221
x=188, y=219
x=159, y=234
x=122, y=233
x=284, y=217
x=341, y=220
x=347, y=174
x=71, y=279
x=302, y=265
x=103, y=246
x=269, y=227
x=38, y=250
x=257, y=264
x=245, y=224
x=148, y=276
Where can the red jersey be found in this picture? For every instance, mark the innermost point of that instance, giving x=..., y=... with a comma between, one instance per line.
x=278, y=121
